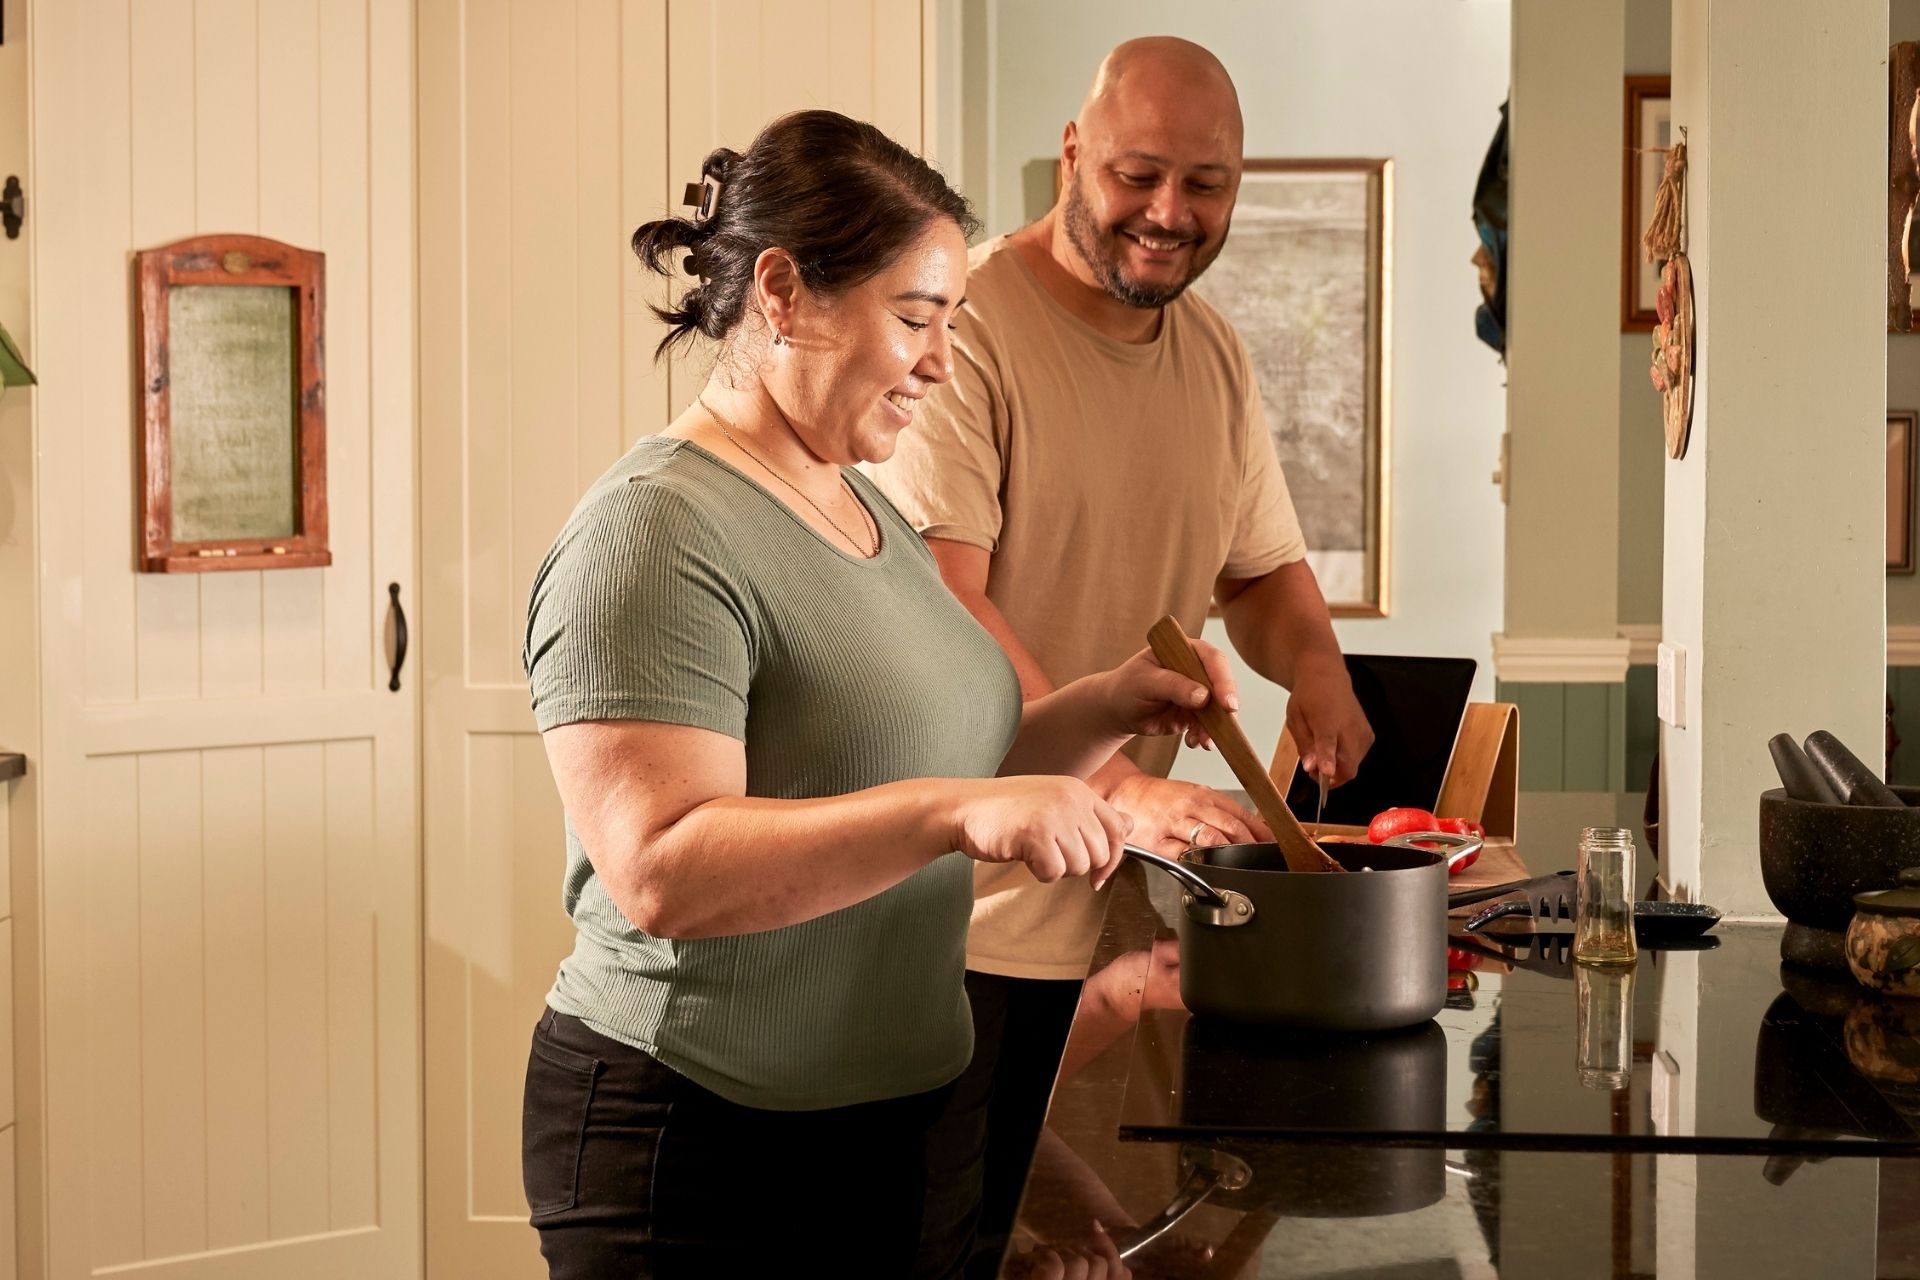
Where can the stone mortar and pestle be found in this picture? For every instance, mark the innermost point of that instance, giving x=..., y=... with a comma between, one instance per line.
x=1831, y=830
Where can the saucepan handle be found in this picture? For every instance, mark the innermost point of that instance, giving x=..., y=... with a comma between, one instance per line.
x=1458, y=846
x=1212, y=1170
x=1205, y=904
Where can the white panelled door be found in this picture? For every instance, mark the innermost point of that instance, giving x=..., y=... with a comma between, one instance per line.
x=544, y=140
x=229, y=885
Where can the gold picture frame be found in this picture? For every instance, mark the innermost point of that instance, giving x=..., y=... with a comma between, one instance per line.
x=1306, y=279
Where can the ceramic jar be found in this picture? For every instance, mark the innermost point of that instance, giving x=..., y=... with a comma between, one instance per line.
x=1883, y=940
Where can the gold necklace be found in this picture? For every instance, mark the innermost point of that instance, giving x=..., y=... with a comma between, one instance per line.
x=868, y=551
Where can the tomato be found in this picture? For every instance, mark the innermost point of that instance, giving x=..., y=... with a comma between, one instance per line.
x=1460, y=960
x=1398, y=822
x=1464, y=863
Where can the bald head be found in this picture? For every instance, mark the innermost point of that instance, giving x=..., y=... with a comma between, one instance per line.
x=1161, y=76
x=1153, y=167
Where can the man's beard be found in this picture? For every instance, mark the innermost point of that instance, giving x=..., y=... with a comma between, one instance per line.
x=1100, y=249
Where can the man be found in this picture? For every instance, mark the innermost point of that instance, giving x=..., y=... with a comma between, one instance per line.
x=1100, y=458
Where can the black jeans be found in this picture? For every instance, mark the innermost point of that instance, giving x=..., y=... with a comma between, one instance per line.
x=998, y=1105
x=633, y=1170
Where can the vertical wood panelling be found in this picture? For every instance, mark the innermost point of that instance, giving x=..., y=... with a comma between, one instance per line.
x=1583, y=762
x=600, y=241
x=898, y=67
x=102, y=113
x=292, y=174
x=493, y=1119
x=226, y=173
x=9, y=1236
x=1617, y=741
x=166, y=606
x=546, y=136
x=862, y=58
x=6, y=1031
x=490, y=177
x=351, y=908
x=296, y=918
x=849, y=50
x=392, y=900
x=172, y=1006
x=545, y=393
x=795, y=37
x=345, y=175
x=646, y=192
x=229, y=932
x=111, y=1054
x=233, y=853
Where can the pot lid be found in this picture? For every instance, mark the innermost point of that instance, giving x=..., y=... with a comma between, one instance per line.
x=1901, y=901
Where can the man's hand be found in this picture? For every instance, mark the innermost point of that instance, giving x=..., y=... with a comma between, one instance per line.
x=1169, y=816
x=1326, y=721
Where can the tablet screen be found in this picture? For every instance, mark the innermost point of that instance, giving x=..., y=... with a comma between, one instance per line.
x=1415, y=706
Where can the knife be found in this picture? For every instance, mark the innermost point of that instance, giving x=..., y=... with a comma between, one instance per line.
x=1320, y=807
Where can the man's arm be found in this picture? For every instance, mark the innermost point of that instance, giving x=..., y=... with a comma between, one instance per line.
x=1279, y=623
x=1165, y=813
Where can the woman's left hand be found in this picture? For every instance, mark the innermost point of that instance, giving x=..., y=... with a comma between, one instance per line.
x=1146, y=698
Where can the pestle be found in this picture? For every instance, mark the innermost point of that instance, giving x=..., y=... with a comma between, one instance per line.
x=1850, y=779
x=1797, y=774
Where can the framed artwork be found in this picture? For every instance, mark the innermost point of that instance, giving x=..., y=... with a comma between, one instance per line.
x=1902, y=426
x=233, y=457
x=1649, y=129
x=1306, y=279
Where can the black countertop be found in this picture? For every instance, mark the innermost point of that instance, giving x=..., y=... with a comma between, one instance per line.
x=1769, y=1123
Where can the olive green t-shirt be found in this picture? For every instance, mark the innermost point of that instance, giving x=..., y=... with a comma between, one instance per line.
x=682, y=592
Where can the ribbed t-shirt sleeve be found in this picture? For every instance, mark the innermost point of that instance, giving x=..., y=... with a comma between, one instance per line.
x=1266, y=530
x=946, y=469
x=636, y=614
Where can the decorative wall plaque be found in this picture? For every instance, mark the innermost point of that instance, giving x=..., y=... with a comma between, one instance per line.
x=233, y=395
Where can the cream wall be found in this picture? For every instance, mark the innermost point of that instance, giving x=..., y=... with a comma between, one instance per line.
x=1649, y=23
x=1642, y=478
x=1416, y=81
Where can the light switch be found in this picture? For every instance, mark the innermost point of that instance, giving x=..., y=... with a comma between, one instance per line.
x=1670, y=699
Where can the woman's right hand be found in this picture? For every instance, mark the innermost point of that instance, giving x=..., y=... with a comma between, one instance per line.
x=1056, y=825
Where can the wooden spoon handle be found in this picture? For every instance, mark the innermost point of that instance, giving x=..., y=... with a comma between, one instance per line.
x=1176, y=653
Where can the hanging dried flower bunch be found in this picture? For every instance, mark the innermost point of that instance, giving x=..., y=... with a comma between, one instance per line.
x=1672, y=369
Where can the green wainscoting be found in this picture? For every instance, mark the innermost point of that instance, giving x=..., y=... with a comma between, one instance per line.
x=1572, y=736
x=1602, y=737
x=1903, y=686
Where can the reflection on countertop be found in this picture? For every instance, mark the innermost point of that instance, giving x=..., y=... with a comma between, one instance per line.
x=1769, y=1123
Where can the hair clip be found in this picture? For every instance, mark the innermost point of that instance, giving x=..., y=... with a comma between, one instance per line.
x=703, y=197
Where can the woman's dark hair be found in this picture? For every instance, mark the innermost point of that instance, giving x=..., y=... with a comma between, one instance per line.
x=838, y=194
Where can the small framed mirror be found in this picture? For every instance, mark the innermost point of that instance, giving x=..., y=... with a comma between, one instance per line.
x=233, y=394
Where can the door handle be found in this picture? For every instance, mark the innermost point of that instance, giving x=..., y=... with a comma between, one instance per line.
x=399, y=616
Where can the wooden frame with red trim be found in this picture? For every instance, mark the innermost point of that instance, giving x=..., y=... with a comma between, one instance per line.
x=231, y=260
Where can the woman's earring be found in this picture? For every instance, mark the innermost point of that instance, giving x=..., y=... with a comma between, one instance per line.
x=779, y=338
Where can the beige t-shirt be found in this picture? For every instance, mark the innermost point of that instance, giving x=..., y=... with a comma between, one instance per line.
x=1113, y=482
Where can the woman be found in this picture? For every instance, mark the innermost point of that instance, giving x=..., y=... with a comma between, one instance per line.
x=778, y=741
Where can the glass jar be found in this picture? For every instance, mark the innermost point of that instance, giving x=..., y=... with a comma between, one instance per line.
x=1603, y=904
x=1603, y=1025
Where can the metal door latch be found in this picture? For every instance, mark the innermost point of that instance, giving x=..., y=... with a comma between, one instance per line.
x=13, y=206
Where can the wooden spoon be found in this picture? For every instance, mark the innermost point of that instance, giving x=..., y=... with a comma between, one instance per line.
x=1176, y=653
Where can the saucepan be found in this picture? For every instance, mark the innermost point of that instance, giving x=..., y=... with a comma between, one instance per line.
x=1360, y=952
x=1254, y=1098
